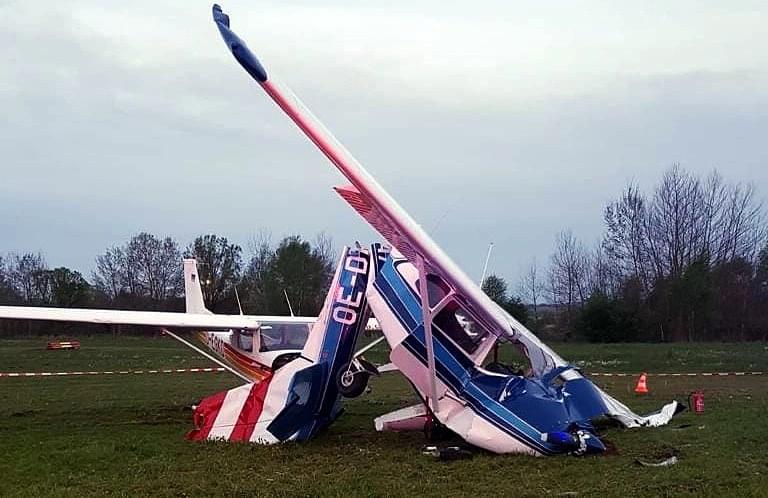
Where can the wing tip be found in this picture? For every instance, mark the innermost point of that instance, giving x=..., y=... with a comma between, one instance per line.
x=219, y=16
x=239, y=49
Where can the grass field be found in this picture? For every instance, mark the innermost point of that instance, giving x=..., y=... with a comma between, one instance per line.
x=124, y=435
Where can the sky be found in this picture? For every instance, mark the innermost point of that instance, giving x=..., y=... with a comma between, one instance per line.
x=489, y=121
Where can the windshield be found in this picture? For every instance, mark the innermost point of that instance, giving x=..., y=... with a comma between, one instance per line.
x=280, y=336
x=455, y=322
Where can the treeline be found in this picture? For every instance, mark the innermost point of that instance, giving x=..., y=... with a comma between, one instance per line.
x=686, y=262
x=146, y=273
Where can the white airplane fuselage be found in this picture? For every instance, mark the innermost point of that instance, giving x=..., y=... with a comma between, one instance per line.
x=256, y=354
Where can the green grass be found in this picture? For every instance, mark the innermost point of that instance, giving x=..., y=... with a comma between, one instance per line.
x=124, y=435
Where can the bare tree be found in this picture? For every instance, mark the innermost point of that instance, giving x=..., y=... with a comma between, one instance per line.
x=688, y=246
x=252, y=283
x=29, y=278
x=156, y=266
x=111, y=276
x=8, y=294
x=605, y=275
x=674, y=224
x=568, y=271
x=743, y=231
x=323, y=247
x=685, y=220
x=625, y=241
x=532, y=288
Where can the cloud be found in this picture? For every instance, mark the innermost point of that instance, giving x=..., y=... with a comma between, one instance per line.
x=517, y=121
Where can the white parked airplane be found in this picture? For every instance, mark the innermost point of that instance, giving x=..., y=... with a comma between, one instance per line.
x=250, y=346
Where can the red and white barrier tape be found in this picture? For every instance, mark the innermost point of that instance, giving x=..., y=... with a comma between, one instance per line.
x=690, y=374
x=219, y=369
x=115, y=372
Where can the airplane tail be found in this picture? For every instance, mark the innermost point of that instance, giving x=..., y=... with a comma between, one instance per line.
x=193, y=292
x=303, y=396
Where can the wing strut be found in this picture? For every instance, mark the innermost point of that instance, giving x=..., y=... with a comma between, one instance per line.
x=426, y=315
x=369, y=346
x=213, y=359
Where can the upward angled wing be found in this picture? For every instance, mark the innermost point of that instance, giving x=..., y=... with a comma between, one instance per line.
x=119, y=317
x=369, y=199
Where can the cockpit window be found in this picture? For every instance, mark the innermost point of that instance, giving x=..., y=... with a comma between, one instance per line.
x=245, y=341
x=437, y=289
x=458, y=324
x=282, y=336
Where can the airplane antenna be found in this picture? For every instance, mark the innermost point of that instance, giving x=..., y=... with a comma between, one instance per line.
x=237, y=297
x=290, y=308
x=485, y=266
x=445, y=213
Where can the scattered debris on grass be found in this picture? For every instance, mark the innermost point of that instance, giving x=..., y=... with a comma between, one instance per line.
x=664, y=463
x=682, y=426
x=448, y=453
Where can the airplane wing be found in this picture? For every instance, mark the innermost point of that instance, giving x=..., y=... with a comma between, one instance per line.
x=370, y=199
x=374, y=204
x=115, y=317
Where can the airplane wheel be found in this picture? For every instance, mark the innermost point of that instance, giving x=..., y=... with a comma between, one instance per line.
x=430, y=430
x=434, y=431
x=351, y=384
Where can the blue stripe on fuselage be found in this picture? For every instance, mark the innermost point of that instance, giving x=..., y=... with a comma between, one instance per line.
x=407, y=307
x=339, y=340
x=335, y=352
x=453, y=365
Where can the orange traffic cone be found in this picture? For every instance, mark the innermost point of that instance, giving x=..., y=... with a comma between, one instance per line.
x=642, y=385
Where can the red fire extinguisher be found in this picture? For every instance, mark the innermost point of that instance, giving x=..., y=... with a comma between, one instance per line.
x=696, y=401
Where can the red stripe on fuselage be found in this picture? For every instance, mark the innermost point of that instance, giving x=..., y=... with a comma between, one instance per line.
x=248, y=365
x=205, y=415
x=256, y=371
x=250, y=413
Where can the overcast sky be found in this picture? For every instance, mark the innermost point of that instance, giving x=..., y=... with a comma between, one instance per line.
x=488, y=121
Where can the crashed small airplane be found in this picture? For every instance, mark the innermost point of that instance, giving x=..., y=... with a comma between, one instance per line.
x=441, y=326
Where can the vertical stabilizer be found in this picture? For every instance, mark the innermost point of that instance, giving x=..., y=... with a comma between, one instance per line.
x=192, y=290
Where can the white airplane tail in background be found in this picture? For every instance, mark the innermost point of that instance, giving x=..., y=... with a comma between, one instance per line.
x=193, y=292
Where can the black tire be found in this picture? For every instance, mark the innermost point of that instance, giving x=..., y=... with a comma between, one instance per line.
x=283, y=360
x=435, y=432
x=351, y=385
